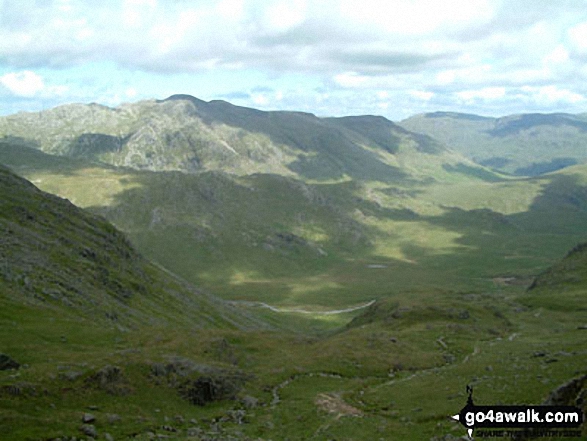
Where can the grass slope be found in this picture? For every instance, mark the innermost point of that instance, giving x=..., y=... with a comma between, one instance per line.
x=57, y=255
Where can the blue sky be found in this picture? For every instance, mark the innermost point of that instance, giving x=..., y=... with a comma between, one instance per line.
x=387, y=57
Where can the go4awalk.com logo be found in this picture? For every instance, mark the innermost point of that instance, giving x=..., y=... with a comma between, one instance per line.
x=552, y=421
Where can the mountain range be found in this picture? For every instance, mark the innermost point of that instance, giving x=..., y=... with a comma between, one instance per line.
x=186, y=134
x=524, y=145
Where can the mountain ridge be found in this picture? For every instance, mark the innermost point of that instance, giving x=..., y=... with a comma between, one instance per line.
x=527, y=144
x=187, y=134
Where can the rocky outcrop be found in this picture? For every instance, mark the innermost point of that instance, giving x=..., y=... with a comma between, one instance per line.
x=7, y=363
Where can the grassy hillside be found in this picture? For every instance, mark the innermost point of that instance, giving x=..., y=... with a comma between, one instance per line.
x=55, y=255
x=169, y=367
x=527, y=144
x=562, y=286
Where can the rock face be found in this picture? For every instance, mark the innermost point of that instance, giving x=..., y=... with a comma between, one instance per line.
x=568, y=393
x=7, y=363
x=199, y=384
x=111, y=380
x=208, y=389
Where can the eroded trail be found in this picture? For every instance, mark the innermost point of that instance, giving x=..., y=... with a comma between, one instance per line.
x=301, y=311
x=384, y=382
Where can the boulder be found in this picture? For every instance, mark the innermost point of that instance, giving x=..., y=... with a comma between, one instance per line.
x=88, y=418
x=89, y=430
x=7, y=363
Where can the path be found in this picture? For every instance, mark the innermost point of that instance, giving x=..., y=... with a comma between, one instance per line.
x=302, y=311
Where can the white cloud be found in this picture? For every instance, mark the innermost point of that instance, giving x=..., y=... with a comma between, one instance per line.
x=452, y=53
x=350, y=79
x=578, y=36
x=23, y=84
x=421, y=94
x=557, y=56
x=416, y=17
x=487, y=93
x=552, y=94
x=260, y=99
x=470, y=74
x=231, y=9
x=284, y=15
x=28, y=84
x=135, y=12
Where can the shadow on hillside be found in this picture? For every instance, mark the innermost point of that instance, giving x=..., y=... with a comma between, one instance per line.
x=525, y=242
x=91, y=145
x=513, y=126
x=211, y=224
x=333, y=151
x=23, y=155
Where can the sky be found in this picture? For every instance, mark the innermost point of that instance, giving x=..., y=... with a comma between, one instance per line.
x=393, y=58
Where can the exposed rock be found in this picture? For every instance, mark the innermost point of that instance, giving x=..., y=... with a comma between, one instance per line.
x=235, y=416
x=88, y=418
x=194, y=431
x=180, y=367
x=7, y=363
x=204, y=390
x=70, y=375
x=250, y=402
x=111, y=380
x=19, y=389
x=334, y=404
x=112, y=418
x=567, y=394
x=90, y=430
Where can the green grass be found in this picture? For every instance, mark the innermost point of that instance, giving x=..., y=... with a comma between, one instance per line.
x=392, y=370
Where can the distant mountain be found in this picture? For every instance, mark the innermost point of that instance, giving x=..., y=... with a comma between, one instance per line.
x=54, y=254
x=186, y=134
x=527, y=144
